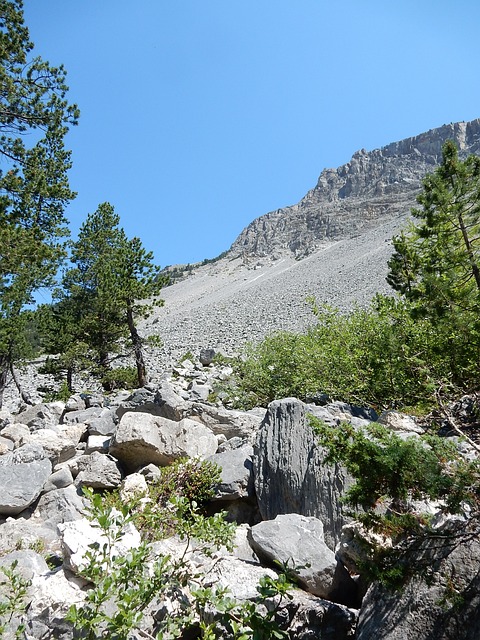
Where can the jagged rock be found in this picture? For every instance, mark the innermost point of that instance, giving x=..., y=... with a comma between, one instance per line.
x=85, y=416
x=356, y=546
x=75, y=403
x=199, y=391
x=20, y=533
x=297, y=542
x=133, y=487
x=171, y=405
x=41, y=416
x=290, y=473
x=23, y=474
x=97, y=443
x=104, y=425
x=18, y=433
x=57, y=506
x=236, y=473
x=52, y=596
x=142, y=439
x=440, y=601
x=223, y=421
x=99, y=471
x=6, y=419
x=307, y=617
x=143, y=400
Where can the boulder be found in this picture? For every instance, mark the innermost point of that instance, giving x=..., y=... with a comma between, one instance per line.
x=297, y=542
x=100, y=471
x=81, y=536
x=223, y=421
x=58, y=448
x=23, y=474
x=41, y=416
x=396, y=421
x=290, y=472
x=142, y=439
x=57, y=506
x=59, y=480
x=236, y=473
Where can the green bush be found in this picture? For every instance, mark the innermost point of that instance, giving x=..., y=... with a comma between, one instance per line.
x=380, y=356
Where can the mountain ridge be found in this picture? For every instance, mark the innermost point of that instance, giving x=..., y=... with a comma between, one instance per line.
x=374, y=185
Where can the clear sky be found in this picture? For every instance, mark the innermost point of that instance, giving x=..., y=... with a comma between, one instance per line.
x=198, y=116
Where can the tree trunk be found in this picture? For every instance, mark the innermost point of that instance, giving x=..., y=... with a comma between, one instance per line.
x=137, y=348
x=4, y=368
x=470, y=253
x=70, y=379
x=24, y=396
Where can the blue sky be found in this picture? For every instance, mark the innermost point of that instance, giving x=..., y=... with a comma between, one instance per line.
x=199, y=116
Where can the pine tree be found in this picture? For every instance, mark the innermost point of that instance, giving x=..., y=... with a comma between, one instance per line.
x=107, y=290
x=436, y=264
x=34, y=189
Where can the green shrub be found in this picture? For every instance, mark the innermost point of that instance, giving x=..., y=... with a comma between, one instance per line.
x=379, y=357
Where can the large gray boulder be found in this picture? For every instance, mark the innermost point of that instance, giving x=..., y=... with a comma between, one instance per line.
x=297, y=542
x=142, y=438
x=440, y=601
x=290, y=472
x=23, y=474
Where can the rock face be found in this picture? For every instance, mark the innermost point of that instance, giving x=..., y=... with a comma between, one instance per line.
x=441, y=601
x=372, y=188
x=290, y=474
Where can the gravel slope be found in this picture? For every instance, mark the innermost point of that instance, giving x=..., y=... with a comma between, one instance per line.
x=225, y=304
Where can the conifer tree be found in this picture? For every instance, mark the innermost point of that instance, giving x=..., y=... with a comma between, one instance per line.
x=113, y=282
x=34, y=189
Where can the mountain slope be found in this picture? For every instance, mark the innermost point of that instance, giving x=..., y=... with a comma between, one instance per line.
x=334, y=244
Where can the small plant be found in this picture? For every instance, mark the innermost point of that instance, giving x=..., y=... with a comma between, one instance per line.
x=13, y=593
x=120, y=378
x=125, y=587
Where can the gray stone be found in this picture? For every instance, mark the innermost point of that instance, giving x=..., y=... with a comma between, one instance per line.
x=85, y=416
x=290, y=472
x=58, y=448
x=396, y=421
x=57, y=506
x=207, y=356
x=101, y=471
x=142, y=439
x=199, y=391
x=59, y=480
x=297, y=542
x=18, y=433
x=170, y=404
x=23, y=475
x=41, y=416
x=236, y=475
x=222, y=421
x=97, y=443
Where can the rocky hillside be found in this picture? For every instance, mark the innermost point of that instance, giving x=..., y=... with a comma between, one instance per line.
x=333, y=245
x=372, y=188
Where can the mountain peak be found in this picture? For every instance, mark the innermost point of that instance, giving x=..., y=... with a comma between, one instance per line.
x=372, y=188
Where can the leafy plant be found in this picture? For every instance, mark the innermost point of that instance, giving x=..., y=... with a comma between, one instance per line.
x=13, y=592
x=126, y=590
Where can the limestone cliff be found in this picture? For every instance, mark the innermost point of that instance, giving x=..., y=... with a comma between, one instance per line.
x=374, y=187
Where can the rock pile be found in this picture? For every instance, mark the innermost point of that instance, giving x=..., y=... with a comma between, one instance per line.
x=274, y=484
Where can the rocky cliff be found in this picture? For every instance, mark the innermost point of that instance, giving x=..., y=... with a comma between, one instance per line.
x=373, y=188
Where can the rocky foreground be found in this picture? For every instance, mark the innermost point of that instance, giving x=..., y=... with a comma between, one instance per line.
x=275, y=485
